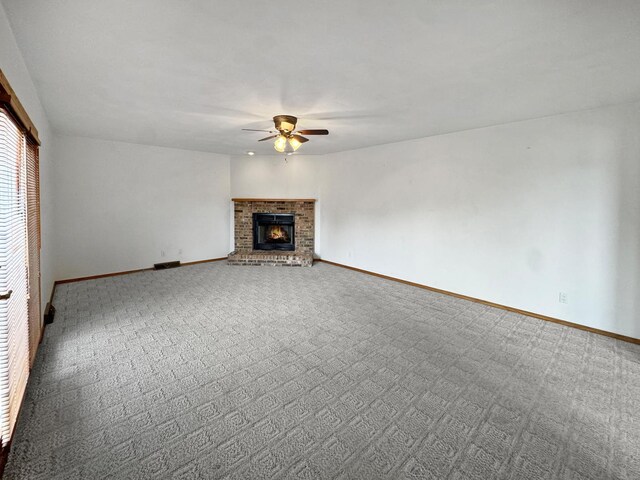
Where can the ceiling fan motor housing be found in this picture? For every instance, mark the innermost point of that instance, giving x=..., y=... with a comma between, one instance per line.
x=285, y=123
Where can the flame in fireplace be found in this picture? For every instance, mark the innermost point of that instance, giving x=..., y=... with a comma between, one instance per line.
x=276, y=233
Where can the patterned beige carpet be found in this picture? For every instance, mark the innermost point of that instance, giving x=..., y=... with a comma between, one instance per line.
x=213, y=371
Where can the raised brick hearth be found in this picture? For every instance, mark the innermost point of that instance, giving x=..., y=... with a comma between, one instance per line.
x=244, y=254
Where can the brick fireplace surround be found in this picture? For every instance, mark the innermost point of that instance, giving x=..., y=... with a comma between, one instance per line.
x=244, y=254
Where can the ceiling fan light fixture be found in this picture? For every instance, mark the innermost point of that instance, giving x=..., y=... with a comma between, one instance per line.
x=295, y=144
x=280, y=144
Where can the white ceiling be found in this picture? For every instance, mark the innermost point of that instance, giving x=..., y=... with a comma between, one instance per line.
x=191, y=74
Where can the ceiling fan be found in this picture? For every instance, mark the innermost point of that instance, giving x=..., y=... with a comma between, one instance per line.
x=287, y=139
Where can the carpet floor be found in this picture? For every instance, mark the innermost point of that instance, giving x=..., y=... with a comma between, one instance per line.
x=213, y=371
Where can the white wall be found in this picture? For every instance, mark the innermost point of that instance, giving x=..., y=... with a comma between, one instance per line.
x=119, y=205
x=513, y=214
x=13, y=66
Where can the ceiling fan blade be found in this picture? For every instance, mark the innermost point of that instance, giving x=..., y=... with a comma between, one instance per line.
x=254, y=130
x=267, y=138
x=300, y=138
x=313, y=132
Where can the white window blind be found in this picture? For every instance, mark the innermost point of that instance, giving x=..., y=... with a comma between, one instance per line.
x=14, y=288
x=33, y=246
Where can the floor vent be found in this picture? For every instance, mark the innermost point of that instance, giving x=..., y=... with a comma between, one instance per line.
x=165, y=265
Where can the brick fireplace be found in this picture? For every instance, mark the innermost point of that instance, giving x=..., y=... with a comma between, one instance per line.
x=275, y=232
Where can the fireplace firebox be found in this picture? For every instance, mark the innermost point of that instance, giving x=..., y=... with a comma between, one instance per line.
x=274, y=231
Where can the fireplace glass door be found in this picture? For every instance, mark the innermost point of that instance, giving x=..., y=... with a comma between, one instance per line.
x=273, y=231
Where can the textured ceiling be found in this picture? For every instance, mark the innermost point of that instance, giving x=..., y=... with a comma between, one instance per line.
x=191, y=74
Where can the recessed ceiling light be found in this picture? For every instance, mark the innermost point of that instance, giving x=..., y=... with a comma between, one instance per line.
x=251, y=153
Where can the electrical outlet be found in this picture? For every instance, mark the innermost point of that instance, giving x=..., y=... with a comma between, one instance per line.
x=162, y=253
x=563, y=298
x=180, y=252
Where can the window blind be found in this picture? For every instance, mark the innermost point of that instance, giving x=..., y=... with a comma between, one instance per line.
x=14, y=289
x=33, y=246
